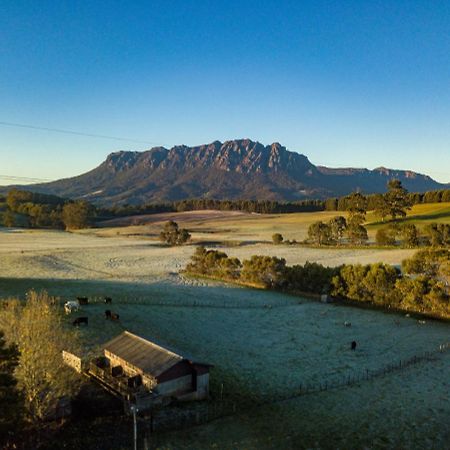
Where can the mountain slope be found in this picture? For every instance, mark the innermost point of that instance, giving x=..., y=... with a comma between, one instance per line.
x=238, y=169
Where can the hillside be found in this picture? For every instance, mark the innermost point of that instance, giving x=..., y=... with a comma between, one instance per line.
x=238, y=169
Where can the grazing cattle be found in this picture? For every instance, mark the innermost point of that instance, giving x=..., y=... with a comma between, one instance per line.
x=353, y=345
x=80, y=320
x=347, y=324
x=71, y=306
x=83, y=300
x=108, y=300
x=422, y=322
x=114, y=316
x=107, y=314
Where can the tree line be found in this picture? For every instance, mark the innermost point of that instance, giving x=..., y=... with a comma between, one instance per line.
x=33, y=210
x=421, y=286
x=250, y=206
x=27, y=209
x=374, y=200
x=388, y=207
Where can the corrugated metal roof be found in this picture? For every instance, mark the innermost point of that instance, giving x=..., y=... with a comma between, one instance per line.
x=145, y=355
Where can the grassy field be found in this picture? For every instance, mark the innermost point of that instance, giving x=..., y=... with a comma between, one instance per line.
x=242, y=228
x=265, y=343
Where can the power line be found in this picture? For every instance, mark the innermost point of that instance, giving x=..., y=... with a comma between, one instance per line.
x=78, y=133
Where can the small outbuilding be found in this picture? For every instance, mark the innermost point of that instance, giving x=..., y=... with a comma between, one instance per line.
x=144, y=372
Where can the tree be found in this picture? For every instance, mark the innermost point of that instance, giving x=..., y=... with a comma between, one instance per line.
x=357, y=234
x=268, y=270
x=438, y=234
x=10, y=398
x=9, y=219
x=385, y=236
x=172, y=235
x=395, y=202
x=410, y=235
x=37, y=327
x=338, y=225
x=77, y=215
x=320, y=233
x=357, y=208
x=277, y=238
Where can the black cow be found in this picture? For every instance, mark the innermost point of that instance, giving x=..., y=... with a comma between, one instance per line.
x=108, y=300
x=353, y=345
x=80, y=320
x=107, y=314
x=83, y=300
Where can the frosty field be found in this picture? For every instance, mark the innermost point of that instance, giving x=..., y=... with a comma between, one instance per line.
x=267, y=344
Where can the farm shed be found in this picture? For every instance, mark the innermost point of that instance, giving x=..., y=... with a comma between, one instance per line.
x=136, y=367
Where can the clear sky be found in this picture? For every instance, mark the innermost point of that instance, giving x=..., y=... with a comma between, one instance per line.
x=359, y=83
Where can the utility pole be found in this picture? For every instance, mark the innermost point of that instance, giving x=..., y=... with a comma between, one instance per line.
x=134, y=410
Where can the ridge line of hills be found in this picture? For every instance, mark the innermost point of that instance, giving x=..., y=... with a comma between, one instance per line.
x=235, y=169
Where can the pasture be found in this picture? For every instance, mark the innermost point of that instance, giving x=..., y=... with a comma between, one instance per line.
x=264, y=345
x=240, y=228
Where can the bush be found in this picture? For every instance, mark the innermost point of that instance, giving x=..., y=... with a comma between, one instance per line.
x=384, y=236
x=267, y=270
x=311, y=277
x=277, y=238
x=172, y=235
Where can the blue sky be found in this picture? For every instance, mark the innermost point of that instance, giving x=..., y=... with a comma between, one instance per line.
x=347, y=83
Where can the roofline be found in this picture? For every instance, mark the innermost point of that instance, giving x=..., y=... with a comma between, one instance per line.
x=153, y=344
x=164, y=349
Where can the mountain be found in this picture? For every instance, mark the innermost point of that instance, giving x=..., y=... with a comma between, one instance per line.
x=237, y=169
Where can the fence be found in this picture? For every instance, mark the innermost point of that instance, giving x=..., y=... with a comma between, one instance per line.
x=207, y=412
x=366, y=375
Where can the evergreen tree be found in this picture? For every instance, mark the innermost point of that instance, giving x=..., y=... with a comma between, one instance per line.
x=357, y=208
x=396, y=200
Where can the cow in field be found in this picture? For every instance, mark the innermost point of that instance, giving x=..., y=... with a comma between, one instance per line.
x=108, y=300
x=353, y=345
x=115, y=317
x=107, y=314
x=71, y=306
x=83, y=300
x=80, y=320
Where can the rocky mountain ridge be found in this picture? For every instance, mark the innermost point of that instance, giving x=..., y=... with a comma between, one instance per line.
x=235, y=169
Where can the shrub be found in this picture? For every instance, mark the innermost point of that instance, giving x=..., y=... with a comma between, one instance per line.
x=384, y=236
x=277, y=238
x=172, y=235
x=267, y=270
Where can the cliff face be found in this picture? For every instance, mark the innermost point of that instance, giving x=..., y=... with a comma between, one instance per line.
x=237, y=169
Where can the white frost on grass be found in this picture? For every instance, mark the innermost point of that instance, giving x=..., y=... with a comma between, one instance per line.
x=270, y=350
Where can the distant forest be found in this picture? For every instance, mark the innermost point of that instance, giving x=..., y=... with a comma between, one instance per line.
x=268, y=207
x=33, y=210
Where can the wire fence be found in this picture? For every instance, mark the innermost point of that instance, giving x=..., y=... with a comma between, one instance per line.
x=224, y=304
x=167, y=420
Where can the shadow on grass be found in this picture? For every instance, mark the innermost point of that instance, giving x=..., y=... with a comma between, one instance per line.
x=193, y=293
x=415, y=218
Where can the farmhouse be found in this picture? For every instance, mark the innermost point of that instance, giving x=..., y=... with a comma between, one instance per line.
x=144, y=373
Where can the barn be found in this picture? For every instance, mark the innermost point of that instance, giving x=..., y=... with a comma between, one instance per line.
x=132, y=364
